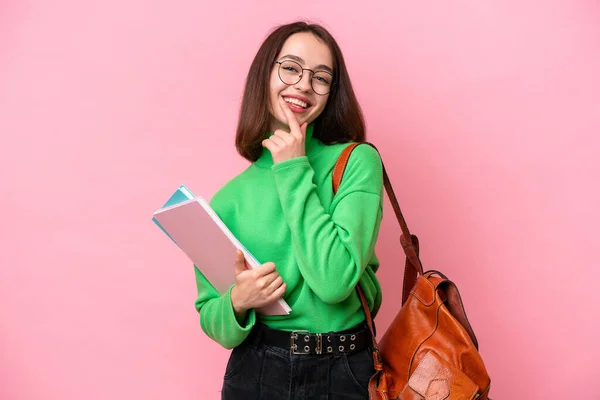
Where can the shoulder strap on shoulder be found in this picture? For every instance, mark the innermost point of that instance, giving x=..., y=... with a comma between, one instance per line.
x=413, y=267
x=410, y=243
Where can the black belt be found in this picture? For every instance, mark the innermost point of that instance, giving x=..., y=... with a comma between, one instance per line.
x=304, y=342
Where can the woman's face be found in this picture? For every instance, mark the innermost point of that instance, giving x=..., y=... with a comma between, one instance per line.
x=308, y=52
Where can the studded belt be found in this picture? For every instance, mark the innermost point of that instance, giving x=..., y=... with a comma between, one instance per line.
x=304, y=342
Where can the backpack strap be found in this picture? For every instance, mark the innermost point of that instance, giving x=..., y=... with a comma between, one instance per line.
x=413, y=267
x=410, y=243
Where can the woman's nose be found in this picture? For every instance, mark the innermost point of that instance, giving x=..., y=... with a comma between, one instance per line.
x=304, y=82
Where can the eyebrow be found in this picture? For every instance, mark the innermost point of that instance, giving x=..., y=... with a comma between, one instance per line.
x=301, y=61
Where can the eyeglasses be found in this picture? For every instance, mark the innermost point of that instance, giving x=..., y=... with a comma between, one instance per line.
x=290, y=73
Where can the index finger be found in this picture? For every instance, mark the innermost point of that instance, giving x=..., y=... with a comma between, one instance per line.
x=266, y=269
x=289, y=116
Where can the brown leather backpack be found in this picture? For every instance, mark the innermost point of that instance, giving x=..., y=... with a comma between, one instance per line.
x=430, y=350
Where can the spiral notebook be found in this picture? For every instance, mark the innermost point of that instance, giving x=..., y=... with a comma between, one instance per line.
x=194, y=226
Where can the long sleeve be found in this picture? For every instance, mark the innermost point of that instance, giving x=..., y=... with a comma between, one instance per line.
x=332, y=247
x=217, y=317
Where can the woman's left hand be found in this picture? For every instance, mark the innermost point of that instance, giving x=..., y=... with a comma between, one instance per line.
x=285, y=145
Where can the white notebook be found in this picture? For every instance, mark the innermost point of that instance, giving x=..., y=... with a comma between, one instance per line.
x=209, y=244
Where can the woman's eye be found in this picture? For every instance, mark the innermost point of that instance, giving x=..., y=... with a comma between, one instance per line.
x=291, y=69
x=322, y=79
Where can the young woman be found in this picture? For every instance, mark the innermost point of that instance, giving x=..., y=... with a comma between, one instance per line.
x=298, y=113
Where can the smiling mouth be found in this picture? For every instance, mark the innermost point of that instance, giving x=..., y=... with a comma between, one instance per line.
x=295, y=101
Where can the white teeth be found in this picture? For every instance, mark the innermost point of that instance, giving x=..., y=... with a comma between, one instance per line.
x=296, y=102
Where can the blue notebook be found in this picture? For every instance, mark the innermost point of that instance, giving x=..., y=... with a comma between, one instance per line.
x=181, y=194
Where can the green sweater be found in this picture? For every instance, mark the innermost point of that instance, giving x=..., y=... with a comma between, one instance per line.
x=322, y=246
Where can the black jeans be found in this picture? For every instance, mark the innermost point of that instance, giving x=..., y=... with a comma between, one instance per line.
x=256, y=371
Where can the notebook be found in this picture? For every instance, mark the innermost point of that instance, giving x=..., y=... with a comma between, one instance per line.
x=181, y=194
x=198, y=231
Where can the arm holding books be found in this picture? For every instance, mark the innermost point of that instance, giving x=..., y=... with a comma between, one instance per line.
x=228, y=295
x=217, y=317
x=228, y=318
x=254, y=288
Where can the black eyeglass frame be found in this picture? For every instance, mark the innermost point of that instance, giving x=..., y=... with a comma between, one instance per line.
x=302, y=75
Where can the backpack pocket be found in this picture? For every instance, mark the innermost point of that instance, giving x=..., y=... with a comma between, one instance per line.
x=436, y=379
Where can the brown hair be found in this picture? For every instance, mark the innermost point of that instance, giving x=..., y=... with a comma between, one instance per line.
x=341, y=120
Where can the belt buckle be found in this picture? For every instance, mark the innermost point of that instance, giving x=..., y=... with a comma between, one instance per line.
x=319, y=349
x=293, y=338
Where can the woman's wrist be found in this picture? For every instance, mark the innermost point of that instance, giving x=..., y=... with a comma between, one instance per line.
x=238, y=308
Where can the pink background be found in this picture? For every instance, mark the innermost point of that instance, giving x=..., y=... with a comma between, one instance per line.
x=487, y=114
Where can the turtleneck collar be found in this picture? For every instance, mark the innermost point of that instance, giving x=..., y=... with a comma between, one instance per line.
x=312, y=145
